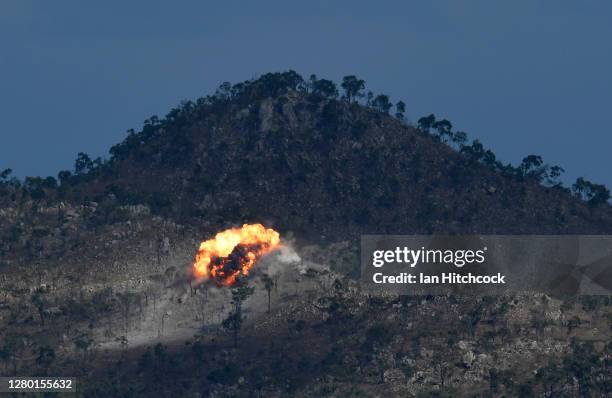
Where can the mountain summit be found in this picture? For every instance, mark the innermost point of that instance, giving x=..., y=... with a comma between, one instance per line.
x=292, y=153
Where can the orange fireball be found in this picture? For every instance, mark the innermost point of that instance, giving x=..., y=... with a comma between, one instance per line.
x=233, y=252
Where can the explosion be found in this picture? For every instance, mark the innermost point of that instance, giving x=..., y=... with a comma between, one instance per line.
x=233, y=252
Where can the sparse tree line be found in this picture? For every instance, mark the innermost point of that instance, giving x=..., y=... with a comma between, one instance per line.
x=352, y=90
x=531, y=168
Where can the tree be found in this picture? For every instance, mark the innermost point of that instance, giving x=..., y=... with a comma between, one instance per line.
x=5, y=354
x=533, y=167
x=353, y=87
x=444, y=129
x=5, y=174
x=552, y=177
x=82, y=164
x=198, y=350
x=268, y=285
x=459, y=138
x=493, y=381
x=400, y=110
x=145, y=362
x=7, y=179
x=49, y=183
x=233, y=323
x=97, y=163
x=474, y=152
x=426, y=122
x=312, y=80
x=11, y=348
x=34, y=186
x=275, y=84
x=582, y=363
x=160, y=353
x=38, y=301
x=369, y=98
x=224, y=91
x=382, y=103
x=153, y=120
x=441, y=365
x=46, y=356
x=573, y=323
x=127, y=300
x=156, y=364
x=83, y=343
x=538, y=321
x=489, y=158
x=376, y=338
x=594, y=194
x=325, y=88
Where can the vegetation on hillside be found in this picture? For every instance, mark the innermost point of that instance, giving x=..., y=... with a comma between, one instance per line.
x=89, y=252
x=274, y=85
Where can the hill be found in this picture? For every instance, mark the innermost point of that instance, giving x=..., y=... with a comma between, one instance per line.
x=291, y=154
x=93, y=262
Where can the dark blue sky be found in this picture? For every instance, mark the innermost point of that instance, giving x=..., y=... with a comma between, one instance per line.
x=522, y=76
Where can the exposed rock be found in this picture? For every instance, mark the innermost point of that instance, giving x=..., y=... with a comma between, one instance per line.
x=394, y=376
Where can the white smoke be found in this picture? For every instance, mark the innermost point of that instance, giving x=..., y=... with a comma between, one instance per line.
x=287, y=254
x=281, y=260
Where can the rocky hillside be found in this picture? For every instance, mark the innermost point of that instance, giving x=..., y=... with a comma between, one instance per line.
x=93, y=279
x=293, y=155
